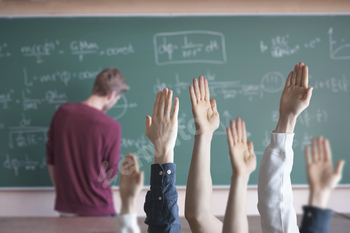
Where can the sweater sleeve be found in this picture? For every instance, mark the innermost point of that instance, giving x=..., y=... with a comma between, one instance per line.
x=128, y=223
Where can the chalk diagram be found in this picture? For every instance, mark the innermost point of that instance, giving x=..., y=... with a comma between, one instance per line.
x=122, y=107
x=338, y=50
x=272, y=82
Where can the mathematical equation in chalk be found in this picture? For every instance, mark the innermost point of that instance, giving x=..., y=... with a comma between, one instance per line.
x=25, y=163
x=4, y=51
x=271, y=82
x=189, y=47
x=280, y=46
x=80, y=48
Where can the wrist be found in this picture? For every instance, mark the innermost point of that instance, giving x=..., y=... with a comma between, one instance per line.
x=241, y=179
x=128, y=205
x=286, y=123
x=206, y=136
x=319, y=199
x=163, y=156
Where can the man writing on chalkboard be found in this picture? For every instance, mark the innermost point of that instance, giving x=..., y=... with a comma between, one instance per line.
x=83, y=150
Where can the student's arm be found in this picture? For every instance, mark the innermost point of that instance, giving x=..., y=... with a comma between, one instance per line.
x=199, y=185
x=162, y=211
x=274, y=187
x=322, y=180
x=130, y=185
x=243, y=161
x=51, y=169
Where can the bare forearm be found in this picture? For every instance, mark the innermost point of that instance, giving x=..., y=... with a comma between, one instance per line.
x=236, y=211
x=128, y=206
x=286, y=124
x=199, y=184
x=319, y=198
x=51, y=169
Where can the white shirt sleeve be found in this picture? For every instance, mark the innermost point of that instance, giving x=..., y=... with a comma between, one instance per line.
x=128, y=223
x=275, y=196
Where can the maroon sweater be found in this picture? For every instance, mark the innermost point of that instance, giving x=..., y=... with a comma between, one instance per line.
x=80, y=139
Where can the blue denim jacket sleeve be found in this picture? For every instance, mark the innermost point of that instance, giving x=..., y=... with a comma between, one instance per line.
x=162, y=211
x=315, y=220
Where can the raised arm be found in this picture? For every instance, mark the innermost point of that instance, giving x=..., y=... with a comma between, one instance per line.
x=161, y=206
x=130, y=185
x=198, y=210
x=274, y=187
x=322, y=180
x=243, y=161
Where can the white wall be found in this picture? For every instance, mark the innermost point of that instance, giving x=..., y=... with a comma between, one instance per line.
x=40, y=203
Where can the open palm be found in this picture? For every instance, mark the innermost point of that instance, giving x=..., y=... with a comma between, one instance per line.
x=296, y=94
x=204, y=110
x=243, y=159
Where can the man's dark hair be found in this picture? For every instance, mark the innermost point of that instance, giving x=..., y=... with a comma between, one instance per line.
x=108, y=80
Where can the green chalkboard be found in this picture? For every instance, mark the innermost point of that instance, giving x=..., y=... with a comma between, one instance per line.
x=45, y=62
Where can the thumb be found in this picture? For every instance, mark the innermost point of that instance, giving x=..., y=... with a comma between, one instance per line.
x=339, y=167
x=308, y=94
x=148, y=122
x=250, y=147
x=213, y=105
x=140, y=178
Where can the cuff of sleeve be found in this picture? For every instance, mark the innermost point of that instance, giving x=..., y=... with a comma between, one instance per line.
x=281, y=141
x=128, y=220
x=163, y=174
x=316, y=218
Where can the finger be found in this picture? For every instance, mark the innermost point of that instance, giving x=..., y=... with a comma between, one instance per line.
x=169, y=104
x=314, y=150
x=229, y=137
x=339, y=167
x=294, y=76
x=250, y=147
x=156, y=104
x=300, y=71
x=133, y=166
x=202, y=87
x=305, y=77
x=239, y=129
x=162, y=103
x=213, y=105
x=233, y=131
x=327, y=151
x=133, y=157
x=307, y=155
x=289, y=79
x=320, y=148
x=207, y=92
x=148, y=122
x=308, y=94
x=176, y=108
x=193, y=96
x=196, y=89
x=244, y=132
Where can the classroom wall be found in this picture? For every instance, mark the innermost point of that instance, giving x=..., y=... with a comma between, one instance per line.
x=40, y=202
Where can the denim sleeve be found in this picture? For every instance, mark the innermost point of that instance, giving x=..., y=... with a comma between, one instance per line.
x=162, y=211
x=315, y=220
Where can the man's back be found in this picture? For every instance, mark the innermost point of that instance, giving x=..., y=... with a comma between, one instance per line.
x=80, y=139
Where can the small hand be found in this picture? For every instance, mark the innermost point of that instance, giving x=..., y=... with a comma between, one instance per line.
x=130, y=184
x=295, y=98
x=204, y=110
x=243, y=159
x=162, y=127
x=322, y=179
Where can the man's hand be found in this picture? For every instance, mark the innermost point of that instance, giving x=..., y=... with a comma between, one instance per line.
x=295, y=98
x=243, y=159
x=204, y=110
x=130, y=185
x=162, y=127
x=322, y=179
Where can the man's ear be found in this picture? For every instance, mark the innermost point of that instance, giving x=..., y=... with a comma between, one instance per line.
x=111, y=95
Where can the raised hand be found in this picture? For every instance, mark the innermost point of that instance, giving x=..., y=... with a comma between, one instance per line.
x=162, y=127
x=295, y=98
x=243, y=159
x=321, y=176
x=130, y=184
x=204, y=110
